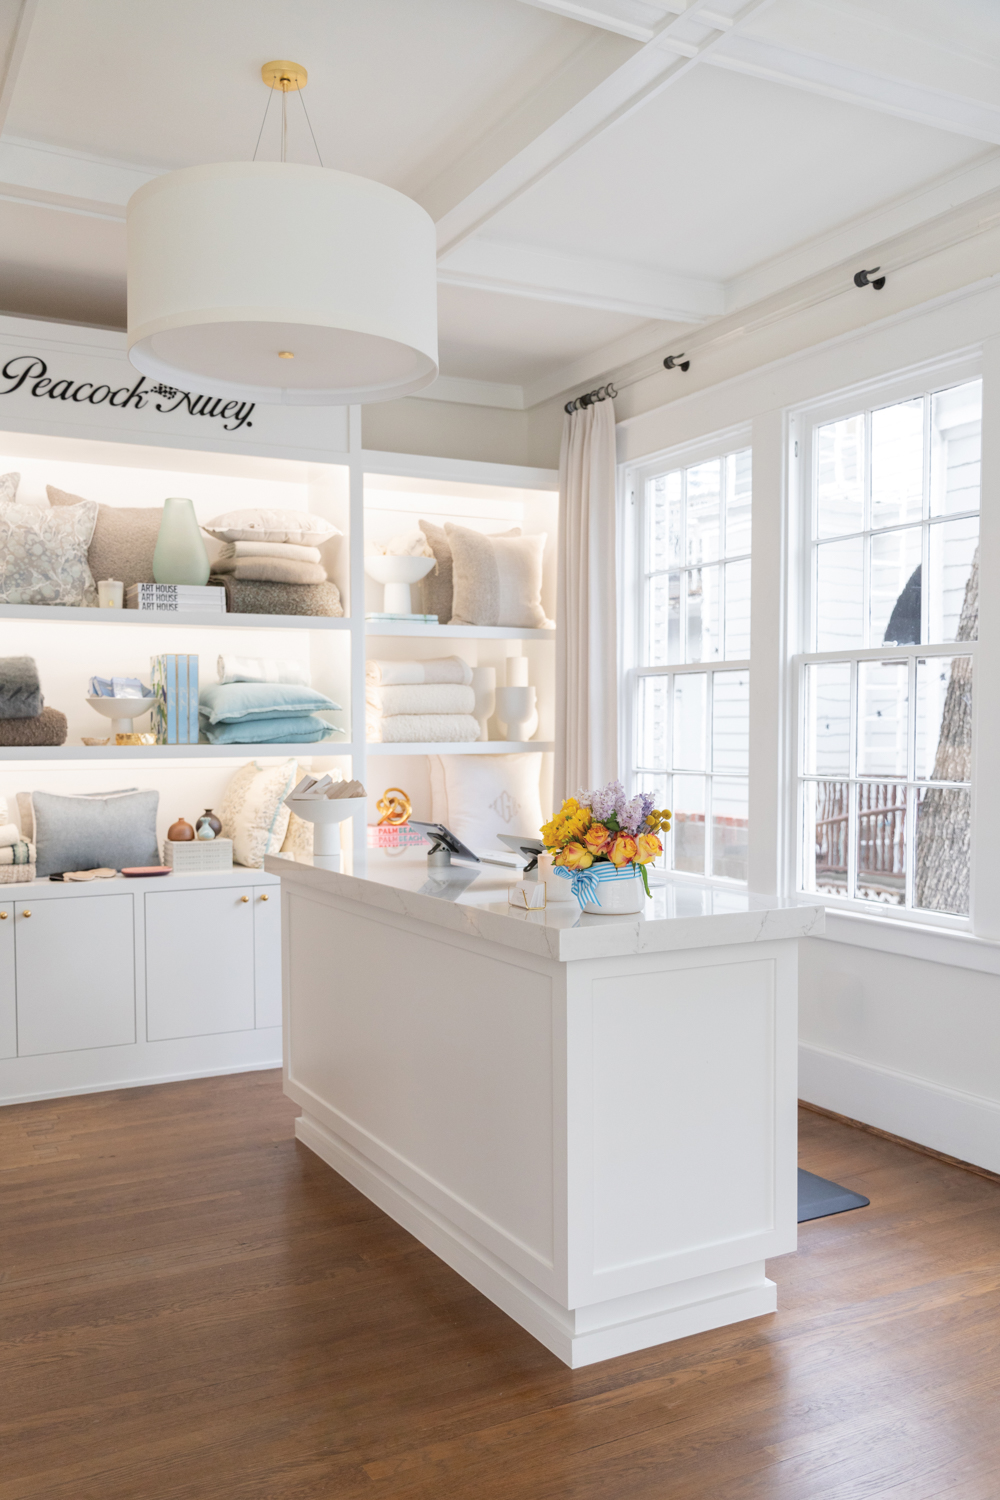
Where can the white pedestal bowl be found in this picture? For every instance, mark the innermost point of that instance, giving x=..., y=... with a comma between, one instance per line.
x=122, y=711
x=397, y=573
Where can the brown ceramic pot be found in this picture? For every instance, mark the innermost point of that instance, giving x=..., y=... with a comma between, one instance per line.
x=208, y=816
x=180, y=832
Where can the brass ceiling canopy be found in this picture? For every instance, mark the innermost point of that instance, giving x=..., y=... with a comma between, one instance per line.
x=284, y=75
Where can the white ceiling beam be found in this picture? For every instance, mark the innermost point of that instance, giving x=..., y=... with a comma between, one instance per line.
x=956, y=113
x=16, y=17
x=52, y=177
x=578, y=281
x=637, y=19
x=681, y=43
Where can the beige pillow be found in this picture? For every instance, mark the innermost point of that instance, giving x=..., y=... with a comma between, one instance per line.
x=253, y=812
x=298, y=526
x=124, y=539
x=497, y=579
x=43, y=554
x=436, y=590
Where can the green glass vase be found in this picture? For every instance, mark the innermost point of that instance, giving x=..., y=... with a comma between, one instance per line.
x=180, y=555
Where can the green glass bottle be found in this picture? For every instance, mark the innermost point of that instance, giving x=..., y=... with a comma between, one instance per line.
x=180, y=555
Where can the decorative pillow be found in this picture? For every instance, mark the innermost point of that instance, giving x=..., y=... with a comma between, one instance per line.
x=26, y=813
x=481, y=796
x=43, y=554
x=438, y=586
x=124, y=538
x=114, y=829
x=298, y=526
x=253, y=813
x=497, y=580
x=8, y=487
x=298, y=840
x=284, y=729
x=235, y=702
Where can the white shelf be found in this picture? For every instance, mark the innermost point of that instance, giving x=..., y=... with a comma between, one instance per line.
x=170, y=752
x=460, y=632
x=70, y=614
x=478, y=747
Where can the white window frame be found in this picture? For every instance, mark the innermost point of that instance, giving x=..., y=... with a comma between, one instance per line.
x=803, y=422
x=632, y=593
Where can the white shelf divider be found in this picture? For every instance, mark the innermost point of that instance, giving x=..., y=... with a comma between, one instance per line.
x=170, y=752
x=68, y=614
x=459, y=632
x=477, y=747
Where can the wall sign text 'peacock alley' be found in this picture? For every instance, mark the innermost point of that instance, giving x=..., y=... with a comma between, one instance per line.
x=32, y=371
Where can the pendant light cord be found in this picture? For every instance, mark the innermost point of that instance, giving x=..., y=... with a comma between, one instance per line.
x=311, y=131
x=263, y=122
x=284, y=125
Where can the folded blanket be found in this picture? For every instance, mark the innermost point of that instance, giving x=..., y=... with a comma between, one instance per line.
x=422, y=729
x=47, y=728
x=246, y=596
x=283, y=729
x=271, y=569
x=421, y=698
x=9, y=832
x=262, y=668
x=20, y=853
x=17, y=874
x=397, y=673
x=290, y=550
x=20, y=692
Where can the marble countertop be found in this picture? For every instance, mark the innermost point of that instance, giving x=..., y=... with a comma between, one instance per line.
x=473, y=900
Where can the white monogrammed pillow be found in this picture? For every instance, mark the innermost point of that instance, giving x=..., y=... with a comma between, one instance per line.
x=300, y=527
x=481, y=796
x=43, y=554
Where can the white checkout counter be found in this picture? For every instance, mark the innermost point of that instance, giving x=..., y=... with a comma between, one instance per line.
x=590, y=1118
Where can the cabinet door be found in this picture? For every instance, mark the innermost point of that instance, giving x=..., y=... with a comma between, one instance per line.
x=267, y=954
x=75, y=964
x=8, y=1010
x=199, y=962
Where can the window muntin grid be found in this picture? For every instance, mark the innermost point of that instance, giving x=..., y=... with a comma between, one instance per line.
x=886, y=694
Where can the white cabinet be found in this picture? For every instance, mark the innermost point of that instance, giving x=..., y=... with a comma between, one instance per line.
x=267, y=957
x=199, y=962
x=8, y=1003
x=75, y=963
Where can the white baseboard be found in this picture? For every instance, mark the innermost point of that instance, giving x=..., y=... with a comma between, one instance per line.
x=583, y=1337
x=137, y=1083
x=959, y=1124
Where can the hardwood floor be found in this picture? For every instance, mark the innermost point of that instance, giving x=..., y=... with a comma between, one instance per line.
x=195, y=1306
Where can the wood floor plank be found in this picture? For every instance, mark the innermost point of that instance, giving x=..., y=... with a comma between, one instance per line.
x=194, y=1306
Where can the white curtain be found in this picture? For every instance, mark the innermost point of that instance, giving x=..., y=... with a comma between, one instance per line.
x=587, y=646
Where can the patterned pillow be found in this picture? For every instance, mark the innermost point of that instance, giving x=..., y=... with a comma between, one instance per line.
x=8, y=487
x=43, y=554
x=253, y=812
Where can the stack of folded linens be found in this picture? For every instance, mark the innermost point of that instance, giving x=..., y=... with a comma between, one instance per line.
x=24, y=719
x=17, y=855
x=420, y=702
x=271, y=563
x=264, y=713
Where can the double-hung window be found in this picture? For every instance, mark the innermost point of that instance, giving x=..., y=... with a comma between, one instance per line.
x=891, y=615
x=688, y=653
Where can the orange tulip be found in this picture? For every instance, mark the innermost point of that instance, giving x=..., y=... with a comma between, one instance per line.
x=648, y=847
x=597, y=838
x=574, y=857
x=622, y=850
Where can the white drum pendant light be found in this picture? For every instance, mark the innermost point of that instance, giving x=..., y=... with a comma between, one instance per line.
x=279, y=282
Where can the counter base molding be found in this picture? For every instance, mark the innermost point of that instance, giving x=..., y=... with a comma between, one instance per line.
x=605, y=1146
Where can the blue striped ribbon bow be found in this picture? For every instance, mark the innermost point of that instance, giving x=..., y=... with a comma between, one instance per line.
x=585, y=882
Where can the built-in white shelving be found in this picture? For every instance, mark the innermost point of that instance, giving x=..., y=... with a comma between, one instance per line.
x=478, y=747
x=66, y=614
x=152, y=753
x=459, y=632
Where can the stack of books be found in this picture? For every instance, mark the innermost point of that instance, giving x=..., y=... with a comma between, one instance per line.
x=177, y=598
x=383, y=618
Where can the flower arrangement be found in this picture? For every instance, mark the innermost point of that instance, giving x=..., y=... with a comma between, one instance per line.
x=606, y=825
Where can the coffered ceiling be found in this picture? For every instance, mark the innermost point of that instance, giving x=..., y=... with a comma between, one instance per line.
x=606, y=175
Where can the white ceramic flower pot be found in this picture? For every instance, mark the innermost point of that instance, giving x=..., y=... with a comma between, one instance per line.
x=622, y=894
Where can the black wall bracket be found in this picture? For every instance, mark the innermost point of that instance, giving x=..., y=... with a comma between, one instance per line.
x=868, y=278
x=676, y=362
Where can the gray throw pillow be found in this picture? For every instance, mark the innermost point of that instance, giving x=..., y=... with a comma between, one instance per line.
x=114, y=829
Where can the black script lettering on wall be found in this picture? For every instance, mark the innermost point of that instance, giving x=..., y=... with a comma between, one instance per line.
x=31, y=372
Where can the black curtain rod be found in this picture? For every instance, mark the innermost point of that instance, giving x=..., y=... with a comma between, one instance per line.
x=589, y=397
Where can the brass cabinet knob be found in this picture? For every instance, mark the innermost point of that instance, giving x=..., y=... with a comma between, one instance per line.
x=244, y=899
x=263, y=898
x=26, y=914
x=3, y=916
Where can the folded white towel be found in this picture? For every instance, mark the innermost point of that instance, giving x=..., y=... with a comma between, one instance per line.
x=421, y=698
x=423, y=729
x=9, y=832
x=294, y=551
x=400, y=673
x=263, y=668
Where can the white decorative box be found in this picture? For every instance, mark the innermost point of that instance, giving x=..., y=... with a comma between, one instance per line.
x=198, y=856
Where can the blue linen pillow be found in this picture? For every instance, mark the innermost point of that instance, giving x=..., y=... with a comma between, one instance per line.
x=235, y=702
x=113, y=829
x=301, y=729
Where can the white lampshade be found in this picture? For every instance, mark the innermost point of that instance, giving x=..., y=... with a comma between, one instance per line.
x=229, y=266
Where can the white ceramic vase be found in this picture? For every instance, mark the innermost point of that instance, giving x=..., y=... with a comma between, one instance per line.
x=484, y=685
x=621, y=894
x=517, y=712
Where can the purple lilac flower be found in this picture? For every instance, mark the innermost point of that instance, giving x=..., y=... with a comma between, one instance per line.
x=605, y=801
